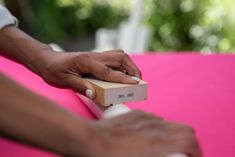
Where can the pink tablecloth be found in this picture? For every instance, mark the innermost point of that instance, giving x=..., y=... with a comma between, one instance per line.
x=189, y=88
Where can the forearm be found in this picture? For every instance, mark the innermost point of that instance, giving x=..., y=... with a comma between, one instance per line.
x=20, y=47
x=29, y=118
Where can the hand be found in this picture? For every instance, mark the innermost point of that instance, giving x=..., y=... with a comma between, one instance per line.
x=138, y=134
x=66, y=69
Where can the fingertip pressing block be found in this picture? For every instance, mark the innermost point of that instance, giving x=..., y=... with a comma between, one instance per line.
x=108, y=93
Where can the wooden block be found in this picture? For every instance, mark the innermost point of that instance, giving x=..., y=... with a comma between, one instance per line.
x=108, y=93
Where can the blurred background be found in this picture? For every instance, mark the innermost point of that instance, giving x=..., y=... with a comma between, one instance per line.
x=206, y=26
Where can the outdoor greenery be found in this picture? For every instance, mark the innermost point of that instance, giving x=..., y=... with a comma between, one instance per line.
x=58, y=20
x=177, y=25
x=195, y=25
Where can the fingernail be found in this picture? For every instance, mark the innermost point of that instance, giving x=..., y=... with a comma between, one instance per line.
x=136, y=79
x=177, y=155
x=89, y=93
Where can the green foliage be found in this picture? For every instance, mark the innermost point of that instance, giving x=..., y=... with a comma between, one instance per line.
x=171, y=24
x=177, y=25
x=192, y=25
x=58, y=20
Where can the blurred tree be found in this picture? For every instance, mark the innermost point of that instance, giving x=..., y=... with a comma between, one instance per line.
x=172, y=22
x=191, y=25
x=59, y=20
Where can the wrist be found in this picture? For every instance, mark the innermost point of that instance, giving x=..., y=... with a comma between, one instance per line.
x=42, y=56
x=85, y=141
x=20, y=47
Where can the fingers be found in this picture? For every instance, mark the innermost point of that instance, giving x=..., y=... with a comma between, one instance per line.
x=143, y=115
x=177, y=155
x=125, y=61
x=155, y=133
x=108, y=74
x=180, y=128
x=189, y=147
x=181, y=137
x=184, y=137
x=131, y=68
x=82, y=86
x=102, y=66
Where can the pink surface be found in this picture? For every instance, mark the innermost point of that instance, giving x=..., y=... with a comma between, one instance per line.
x=189, y=88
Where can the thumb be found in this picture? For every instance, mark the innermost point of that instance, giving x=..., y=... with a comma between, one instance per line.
x=82, y=86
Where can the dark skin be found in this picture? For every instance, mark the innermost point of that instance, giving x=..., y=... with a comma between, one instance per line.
x=65, y=69
x=34, y=119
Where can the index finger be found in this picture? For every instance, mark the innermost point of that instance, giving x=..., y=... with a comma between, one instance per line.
x=131, y=67
x=108, y=74
x=127, y=63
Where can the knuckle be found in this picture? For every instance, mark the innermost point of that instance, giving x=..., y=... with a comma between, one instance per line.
x=124, y=55
x=81, y=61
x=83, y=56
x=187, y=129
x=120, y=51
x=106, y=72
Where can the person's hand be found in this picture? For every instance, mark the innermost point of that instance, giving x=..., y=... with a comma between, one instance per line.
x=66, y=69
x=138, y=134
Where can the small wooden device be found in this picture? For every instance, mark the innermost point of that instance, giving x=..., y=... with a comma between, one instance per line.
x=108, y=93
